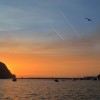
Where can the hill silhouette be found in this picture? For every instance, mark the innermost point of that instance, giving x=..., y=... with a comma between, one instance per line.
x=5, y=72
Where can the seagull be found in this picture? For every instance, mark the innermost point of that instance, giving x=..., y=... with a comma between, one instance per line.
x=88, y=19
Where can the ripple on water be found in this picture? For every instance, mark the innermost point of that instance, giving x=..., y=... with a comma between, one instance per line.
x=49, y=90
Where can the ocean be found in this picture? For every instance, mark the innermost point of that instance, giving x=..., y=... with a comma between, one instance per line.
x=47, y=89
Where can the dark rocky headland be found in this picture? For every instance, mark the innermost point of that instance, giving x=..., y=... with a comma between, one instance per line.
x=5, y=72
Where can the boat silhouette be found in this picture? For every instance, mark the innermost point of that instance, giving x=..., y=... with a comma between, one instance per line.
x=56, y=80
x=14, y=79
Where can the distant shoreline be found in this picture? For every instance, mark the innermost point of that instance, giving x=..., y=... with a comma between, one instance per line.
x=63, y=78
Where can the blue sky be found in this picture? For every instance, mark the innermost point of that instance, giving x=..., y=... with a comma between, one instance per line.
x=30, y=15
x=48, y=20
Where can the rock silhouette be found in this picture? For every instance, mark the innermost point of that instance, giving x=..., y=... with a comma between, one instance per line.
x=98, y=77
x=5, y=72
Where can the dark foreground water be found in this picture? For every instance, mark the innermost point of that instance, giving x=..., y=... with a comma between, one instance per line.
x=32, y=89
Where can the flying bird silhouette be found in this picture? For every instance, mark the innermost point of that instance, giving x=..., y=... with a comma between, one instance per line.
x=88, y=19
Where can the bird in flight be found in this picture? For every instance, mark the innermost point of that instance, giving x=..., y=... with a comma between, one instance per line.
x=88, y=19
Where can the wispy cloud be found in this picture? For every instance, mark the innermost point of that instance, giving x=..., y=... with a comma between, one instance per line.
x=36, y=45
x=86, y=45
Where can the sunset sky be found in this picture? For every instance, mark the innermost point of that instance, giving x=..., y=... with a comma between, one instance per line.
x=50, y=38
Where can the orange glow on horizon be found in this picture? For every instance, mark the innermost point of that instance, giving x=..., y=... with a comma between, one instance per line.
x=27, y=65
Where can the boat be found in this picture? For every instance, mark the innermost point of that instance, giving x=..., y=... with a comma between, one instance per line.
x=14, y=79
x=56, y=80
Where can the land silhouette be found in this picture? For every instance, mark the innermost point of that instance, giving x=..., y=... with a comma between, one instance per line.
x=5, y=72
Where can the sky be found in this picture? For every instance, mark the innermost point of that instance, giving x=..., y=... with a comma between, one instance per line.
x=50, y=38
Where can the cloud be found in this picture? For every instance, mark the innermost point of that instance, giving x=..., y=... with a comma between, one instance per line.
x=85, y=45
x=42, y=45
x=20, y=44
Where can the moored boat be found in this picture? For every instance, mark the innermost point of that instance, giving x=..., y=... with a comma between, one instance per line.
x=14, y=79
x=56, y=80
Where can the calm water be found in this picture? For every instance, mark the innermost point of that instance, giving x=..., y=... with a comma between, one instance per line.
x=32, y=89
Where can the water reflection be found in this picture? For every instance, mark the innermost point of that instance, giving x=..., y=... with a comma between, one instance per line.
x=27, y=89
